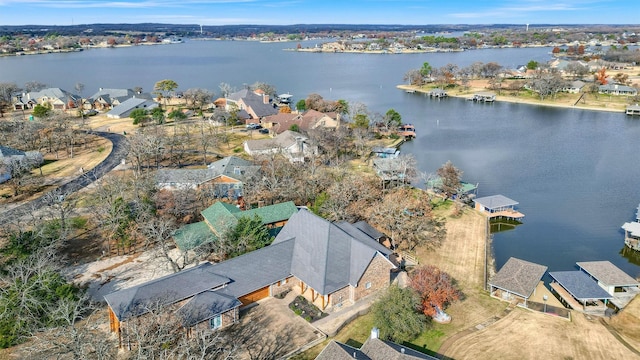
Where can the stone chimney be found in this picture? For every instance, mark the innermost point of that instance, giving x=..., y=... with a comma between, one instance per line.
x=375, y=333
x=265, y=98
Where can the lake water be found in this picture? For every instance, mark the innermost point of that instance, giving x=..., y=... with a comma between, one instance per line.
x=575, y=173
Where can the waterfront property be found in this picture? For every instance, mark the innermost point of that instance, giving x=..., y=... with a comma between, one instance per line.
x=333, y=265
x=633, y=110
x=516, y=281
x=614, y=281
x=580, y=292
x=617, y=89
x=632, y=232
x=56, y=98
x=498, y=206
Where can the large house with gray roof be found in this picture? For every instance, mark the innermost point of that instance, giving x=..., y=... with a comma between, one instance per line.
x=57, y=98
x=332, y=264
x=106, y=99
x=256, y=103
x=126, y=107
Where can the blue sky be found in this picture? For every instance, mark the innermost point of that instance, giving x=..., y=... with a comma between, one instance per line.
x=285, y=12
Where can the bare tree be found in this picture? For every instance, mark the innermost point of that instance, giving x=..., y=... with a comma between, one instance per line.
x=451, y=177
x=405, y=214
x=7, y=91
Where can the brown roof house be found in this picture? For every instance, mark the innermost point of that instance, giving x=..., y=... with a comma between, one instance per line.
x=373, y=349
x=517, y=280
x=310, y=119
x=332, y=265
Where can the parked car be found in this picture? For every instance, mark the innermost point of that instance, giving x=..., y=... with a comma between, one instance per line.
x=254, y=126
x=264, y=131
x=90, y=112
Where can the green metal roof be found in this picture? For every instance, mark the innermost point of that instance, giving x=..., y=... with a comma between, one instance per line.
x=222, y=216
x=272, y=213
x=465, y=187
x=191, y=236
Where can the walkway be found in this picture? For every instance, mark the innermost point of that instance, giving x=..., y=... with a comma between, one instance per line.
x=331, y=324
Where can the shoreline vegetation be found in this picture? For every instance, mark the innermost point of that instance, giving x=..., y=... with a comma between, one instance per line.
x=565, y=100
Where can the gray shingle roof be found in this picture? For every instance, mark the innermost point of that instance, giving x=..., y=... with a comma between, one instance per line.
x=281, y=141
x=607, y=273
x=125, y=108
x=256, y=269
x=339, y=351
x=6, y=151
x=519, y=277
x=166, y=290
x=372, y=349
x=113, y=93
x=205, y=306
x=231, y=166
x=326, y=257
x=366, y=228
x=256, y=103
x=495, y=201
x=580, y=285
x=387, y=350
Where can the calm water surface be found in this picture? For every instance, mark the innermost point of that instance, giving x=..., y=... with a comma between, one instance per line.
x=574, y=172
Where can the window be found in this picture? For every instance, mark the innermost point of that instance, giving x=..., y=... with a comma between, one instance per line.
x=367, y=285
x=216, y=321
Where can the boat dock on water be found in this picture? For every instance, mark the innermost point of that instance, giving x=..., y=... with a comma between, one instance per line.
x=483, y=97
x=407, y=131
x=632, y=232
x=498, y=207
x=633, y=110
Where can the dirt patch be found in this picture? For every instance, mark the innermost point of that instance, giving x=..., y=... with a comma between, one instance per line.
x=627, y=322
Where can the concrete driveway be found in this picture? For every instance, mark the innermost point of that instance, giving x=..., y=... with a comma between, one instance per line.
x=270, y=329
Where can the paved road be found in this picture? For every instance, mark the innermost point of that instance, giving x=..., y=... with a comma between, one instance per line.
x=118, y=152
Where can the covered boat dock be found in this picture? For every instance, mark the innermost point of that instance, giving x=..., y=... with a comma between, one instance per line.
x=580, y=292
x=614, y=281
x=498, y=206
x=517, y=280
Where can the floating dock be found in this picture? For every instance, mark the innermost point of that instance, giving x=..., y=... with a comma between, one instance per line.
x=632, y=232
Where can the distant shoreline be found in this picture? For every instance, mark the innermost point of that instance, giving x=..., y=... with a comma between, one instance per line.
x=519, y=100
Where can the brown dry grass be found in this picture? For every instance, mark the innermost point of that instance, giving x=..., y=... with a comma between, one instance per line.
x=523, y=334
x=627, y=322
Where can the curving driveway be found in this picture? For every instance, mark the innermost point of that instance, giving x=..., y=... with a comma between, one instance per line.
x=118, y=152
